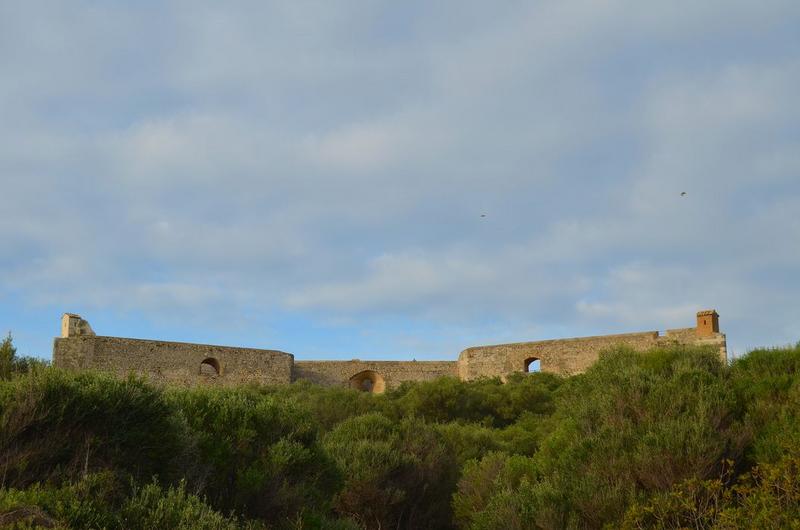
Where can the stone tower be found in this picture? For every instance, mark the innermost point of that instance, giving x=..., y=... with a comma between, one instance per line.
x=707, y=323
x=73, y=325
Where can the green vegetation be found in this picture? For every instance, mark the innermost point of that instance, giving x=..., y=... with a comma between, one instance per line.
x=666, y=439
x=11, y=364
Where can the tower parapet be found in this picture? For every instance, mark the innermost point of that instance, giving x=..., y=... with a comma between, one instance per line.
x=707, y=323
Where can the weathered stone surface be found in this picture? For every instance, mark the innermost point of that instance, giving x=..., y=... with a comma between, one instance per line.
x=74, y=326
x=340, y=373
x=173, y=362
x=189, y=364
x=707, y=323
x=567, y=356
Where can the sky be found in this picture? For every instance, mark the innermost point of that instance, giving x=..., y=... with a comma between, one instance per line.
x=397, y=180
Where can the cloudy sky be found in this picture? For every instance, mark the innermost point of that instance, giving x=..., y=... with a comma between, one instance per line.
x=313, y=176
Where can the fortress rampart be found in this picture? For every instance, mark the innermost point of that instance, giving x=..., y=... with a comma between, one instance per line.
x=567, y=356
x=79, y=348
x=173, y=362
x=370, y=375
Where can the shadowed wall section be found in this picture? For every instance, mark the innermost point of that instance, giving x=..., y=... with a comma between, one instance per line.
x=392, y=373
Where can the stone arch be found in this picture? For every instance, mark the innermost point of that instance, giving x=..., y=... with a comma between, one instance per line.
x=533, y=365
x=210, y=367
x=368, y=381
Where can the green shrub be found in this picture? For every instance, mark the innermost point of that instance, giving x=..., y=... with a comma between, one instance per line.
x=495, y=493
x=99, y=501
x=60, y=426
x=664, y=439
x=88, y=503
x=7, y=357
x=327, y=406
x=396, y=474
x=468, y=441
x=633, y=424
x=766, y=497
x=767, y=382
x=485, y=401
x=255, y=454
x=154, y=507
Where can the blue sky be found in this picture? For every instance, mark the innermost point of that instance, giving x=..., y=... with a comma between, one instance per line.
x=311, y=176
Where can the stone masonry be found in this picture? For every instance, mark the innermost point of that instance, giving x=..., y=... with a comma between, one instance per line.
x=182, y=363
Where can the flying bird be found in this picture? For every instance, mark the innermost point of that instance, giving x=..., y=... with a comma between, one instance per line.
x=683, y=194
x=483, y=215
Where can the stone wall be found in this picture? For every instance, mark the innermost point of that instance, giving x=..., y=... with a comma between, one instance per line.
x=562, y=356
x=392, y=373
x=173, y=362
x=568, y=356
x=189, y=364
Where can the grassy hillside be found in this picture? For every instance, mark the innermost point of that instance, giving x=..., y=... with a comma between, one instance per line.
x=666, y=439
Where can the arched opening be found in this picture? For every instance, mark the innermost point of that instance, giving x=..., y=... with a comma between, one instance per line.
x=533, y=365
x=368, y=381
x=210, y=367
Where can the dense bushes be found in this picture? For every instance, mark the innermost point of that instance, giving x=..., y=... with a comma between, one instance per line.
x=99, y=501
x=629, y=426
x=667, y=439
x=487, y=401
x=57, y=427
x=766, y=497
x=11, y=363
x=254, y=454
x=397, y=474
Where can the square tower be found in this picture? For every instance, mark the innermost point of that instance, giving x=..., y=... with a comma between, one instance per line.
x=70, y=325
x=707, y=323
x=74, y=326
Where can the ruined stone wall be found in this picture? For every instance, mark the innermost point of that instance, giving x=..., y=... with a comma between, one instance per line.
x=189, y=364
x=562, y=356
x=340, y=373
x=680, y=335
x=173, y=362
x=568, y=356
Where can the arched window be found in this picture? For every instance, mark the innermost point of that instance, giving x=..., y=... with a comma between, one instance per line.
x=368, y=381
x=210, y=367
x=533, y=365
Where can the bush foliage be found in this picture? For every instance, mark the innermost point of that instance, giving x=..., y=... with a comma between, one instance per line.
x=670, y=438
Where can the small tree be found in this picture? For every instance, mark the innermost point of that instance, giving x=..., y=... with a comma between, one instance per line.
x=7, y=356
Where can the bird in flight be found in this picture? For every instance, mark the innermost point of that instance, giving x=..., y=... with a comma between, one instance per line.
x=483, y=215
x=683, y=194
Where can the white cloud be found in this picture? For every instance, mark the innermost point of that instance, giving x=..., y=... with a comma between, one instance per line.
x=334, y=161
x=399, y=281
x=359, y=147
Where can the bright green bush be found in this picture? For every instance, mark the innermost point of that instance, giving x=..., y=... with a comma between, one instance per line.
x=152, y=506
x=99, y=501
x=88, y=503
